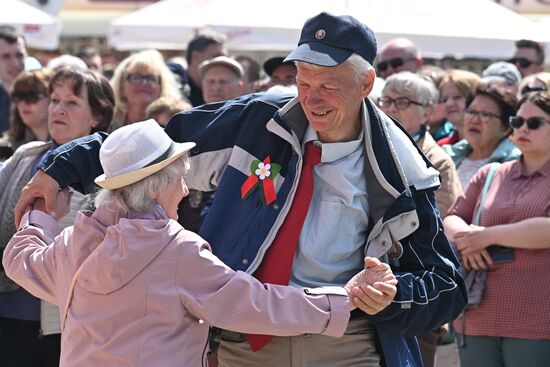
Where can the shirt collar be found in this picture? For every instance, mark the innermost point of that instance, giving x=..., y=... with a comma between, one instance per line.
x=331, y=152
x=518, y=170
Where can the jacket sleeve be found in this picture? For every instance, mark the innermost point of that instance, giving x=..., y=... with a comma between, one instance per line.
x=430, y=290
x=216, y=129
x=76, y=163
x=236, y=301
x=29, y=258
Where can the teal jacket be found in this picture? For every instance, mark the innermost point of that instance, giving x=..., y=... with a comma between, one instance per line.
x=505, y=151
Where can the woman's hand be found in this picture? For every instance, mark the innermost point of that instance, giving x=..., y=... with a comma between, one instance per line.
x=473, y=240
x=374, y=288
x=62, y=204
x=480, y=260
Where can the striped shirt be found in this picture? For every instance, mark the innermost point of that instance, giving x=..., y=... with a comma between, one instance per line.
x=516, y=296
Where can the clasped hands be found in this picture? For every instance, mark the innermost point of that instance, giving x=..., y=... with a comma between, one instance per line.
x=472, y=245
x=372, y=289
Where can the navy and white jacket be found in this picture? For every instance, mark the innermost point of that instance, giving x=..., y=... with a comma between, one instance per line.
x=406, y=229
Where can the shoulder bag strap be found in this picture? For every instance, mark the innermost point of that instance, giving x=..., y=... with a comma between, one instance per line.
x=490, y=175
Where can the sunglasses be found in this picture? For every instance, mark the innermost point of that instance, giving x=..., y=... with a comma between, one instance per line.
x=533, y=123
x=522, y=62
x=394, y=63
x=528, y=89
x=29, y=97
x=139, y=78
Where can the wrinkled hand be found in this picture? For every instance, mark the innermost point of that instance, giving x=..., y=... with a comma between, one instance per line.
x=471, y=241
x=480, y=260
x=62, y=204
x=40, y=186
x=374, y=288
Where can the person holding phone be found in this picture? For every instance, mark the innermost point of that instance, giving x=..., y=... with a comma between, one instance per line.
x=510, y=326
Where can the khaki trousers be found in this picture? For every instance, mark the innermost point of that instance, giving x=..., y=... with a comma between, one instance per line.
x=356, y=348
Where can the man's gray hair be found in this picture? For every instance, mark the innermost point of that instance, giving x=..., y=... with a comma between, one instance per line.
x=412, y=86
x=358, y=64
x=138, y=197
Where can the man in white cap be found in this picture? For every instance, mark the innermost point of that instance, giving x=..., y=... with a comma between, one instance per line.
x=306, y=187
x=221, y=79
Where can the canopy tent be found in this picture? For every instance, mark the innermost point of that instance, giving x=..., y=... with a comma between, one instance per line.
x=476, y=28
x=39, y=28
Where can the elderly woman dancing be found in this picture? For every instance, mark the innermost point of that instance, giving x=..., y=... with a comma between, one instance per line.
x=133, y=286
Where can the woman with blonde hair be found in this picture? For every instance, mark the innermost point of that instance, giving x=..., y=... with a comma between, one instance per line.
x=456, y=91
x=138, y=80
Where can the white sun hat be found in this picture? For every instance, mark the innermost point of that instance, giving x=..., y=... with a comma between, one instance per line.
x=136, y=151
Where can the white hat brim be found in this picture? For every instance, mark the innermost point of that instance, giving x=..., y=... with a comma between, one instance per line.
x=129, y=178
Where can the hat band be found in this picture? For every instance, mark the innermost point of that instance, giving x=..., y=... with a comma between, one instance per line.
x=164, y=155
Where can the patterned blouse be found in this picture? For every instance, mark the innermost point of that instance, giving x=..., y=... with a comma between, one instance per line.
x=515, y=300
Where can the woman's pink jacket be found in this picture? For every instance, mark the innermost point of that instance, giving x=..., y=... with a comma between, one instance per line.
x=148, y=294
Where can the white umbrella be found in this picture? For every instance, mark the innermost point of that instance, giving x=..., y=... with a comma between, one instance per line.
x=39, y=28
x=479, y=28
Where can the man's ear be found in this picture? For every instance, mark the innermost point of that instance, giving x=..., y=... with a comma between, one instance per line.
x=368, y=82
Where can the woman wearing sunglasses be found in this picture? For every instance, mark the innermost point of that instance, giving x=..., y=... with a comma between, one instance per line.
x=510, y=326
x=485, y=134
x=29, y=109
x=138, y=80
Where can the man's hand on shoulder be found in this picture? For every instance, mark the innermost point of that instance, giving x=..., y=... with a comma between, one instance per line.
x=40, y=186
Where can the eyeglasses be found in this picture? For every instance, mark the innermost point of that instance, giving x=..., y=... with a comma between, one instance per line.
x=394, y=63
x=483, y=116
x=528, y=89
x=139, y=78
x=522, y=62
x=533, y=123
x=401, y=103
x=29, y=97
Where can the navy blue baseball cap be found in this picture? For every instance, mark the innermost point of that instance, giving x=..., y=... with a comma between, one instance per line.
x=329, y=40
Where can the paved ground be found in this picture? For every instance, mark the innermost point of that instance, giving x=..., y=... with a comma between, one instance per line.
x=447, y=356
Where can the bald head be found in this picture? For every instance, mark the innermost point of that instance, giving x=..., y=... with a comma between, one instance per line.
x=398, y=54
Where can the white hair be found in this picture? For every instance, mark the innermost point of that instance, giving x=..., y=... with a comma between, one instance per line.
x=139, y=196
x=413, y=86
x=358, y=64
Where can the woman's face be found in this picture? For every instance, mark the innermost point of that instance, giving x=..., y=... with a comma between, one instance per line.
x=455, y=103
x=533, y=142
x=483, y=128
x=411, y=117
x=33, y=109
x=170, y=197
x=141, y=86
x=69, y=115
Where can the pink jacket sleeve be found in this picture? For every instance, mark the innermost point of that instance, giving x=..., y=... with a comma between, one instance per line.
x=29, y=257
x=236, y=301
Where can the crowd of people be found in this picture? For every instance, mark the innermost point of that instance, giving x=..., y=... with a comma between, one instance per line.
x=346, y=199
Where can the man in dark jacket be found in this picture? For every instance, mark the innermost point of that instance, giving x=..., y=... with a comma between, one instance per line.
x=373, y=195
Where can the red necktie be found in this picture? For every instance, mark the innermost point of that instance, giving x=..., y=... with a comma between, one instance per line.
x=277, y=263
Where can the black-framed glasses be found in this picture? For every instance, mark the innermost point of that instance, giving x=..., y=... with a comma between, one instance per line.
x=29, y=97
x=528, y=89
x=533, y=123
x=394, y=63
x=135, y=78
x=401, y=103
x=522, y=62
x=483, y=116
